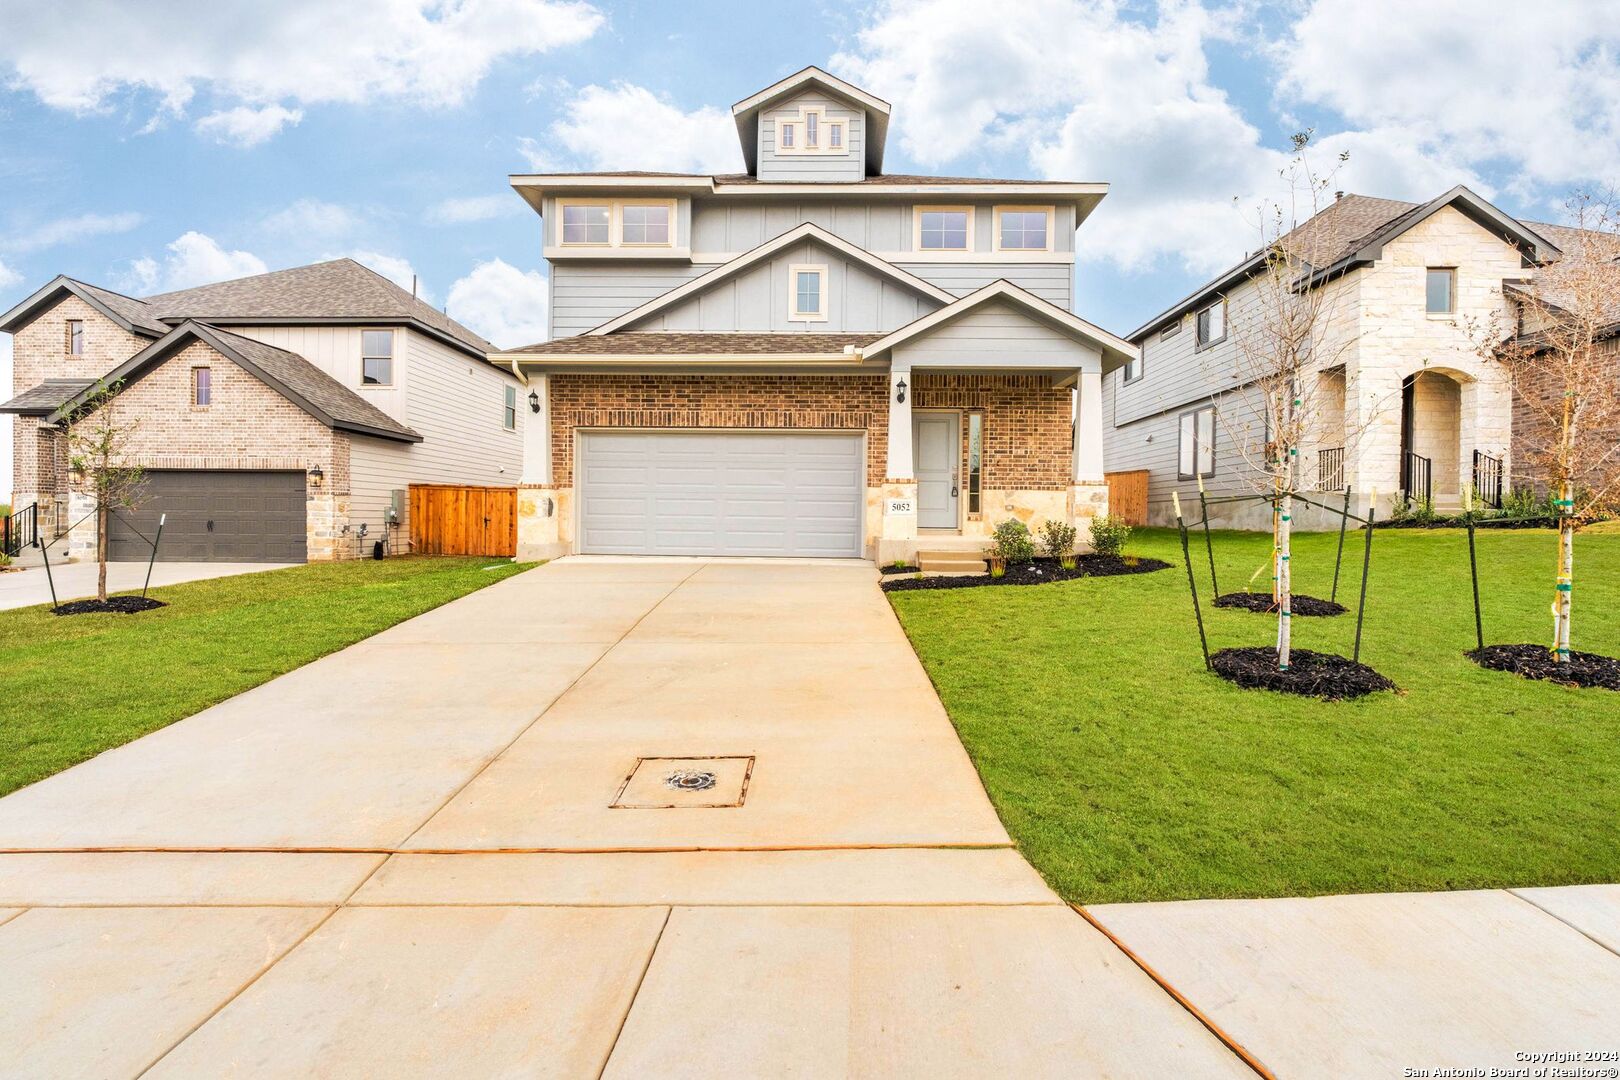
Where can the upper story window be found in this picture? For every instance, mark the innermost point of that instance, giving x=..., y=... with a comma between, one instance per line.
x=1212, y=324
x=1440, y=289
x=807, y=299
x=1170, y=331
x=1196, y=451
x=377, y=357
x=1023, y=228
x=944, y=228
x=1133, y=368
x=202, y=387
x=810, y=131
x=509, y=409
x=75, y=337
x=617, y=222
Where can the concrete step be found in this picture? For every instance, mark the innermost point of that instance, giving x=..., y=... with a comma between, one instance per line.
x=950, y=562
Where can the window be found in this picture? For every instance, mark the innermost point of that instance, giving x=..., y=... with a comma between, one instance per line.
x=835, y=136
x=75, y=337
x=785, y=139
x=202, y=387
x=808, y=131
x=377, y=357
x=1133, y=368
x=1212, y=324
x=509, y=410
x=1023, y=228
x=944, y=229
x=975, y=459
x=812, y=128
x=645, y=224
x=587, y=223
x=1197, y=447
x=1170, y=331
x=1438, y=291
x=808, y=299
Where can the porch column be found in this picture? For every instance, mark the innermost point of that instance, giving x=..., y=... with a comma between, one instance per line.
x=536, y=430
x=1088, y=429
x=897, y=528
x=540, y=503
x=901, y=465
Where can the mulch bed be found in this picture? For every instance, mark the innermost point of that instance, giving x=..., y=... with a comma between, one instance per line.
x=887, y=570
x=1536, y=662
x=120, y=605
x=1038, y=572
x=1313, y=674
x=1261, y=602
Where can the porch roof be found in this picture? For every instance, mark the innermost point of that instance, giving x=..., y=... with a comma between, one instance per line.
x=47, y=397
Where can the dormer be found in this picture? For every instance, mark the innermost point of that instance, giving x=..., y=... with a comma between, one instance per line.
x=812, y=126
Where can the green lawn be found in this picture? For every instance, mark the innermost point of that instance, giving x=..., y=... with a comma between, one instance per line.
x=73, y=686
x=1125, y=772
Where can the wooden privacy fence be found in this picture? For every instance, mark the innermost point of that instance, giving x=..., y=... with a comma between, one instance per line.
x=450, y=519
x=1128, y=495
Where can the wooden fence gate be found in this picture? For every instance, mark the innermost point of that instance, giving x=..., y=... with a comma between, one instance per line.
x=450, y=519
x=1128, y=496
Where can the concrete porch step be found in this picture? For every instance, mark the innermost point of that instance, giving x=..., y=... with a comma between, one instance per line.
x=957, y=561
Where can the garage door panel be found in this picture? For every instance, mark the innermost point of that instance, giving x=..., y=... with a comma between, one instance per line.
x=216, y=515
x=681, y=493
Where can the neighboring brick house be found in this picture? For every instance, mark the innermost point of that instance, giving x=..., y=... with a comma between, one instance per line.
x=811, y=358
x=1408, y=404
x=278, y=417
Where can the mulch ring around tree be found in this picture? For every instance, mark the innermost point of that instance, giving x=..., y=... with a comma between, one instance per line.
x=1262, y=602
x=1312, y=674
x=1536, y=662
x=118, y=605
x=1036, y=572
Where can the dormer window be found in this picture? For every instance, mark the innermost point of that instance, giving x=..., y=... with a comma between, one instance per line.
x=587, y=223
x=616, y=223
x=788, y=134
x=810, y=131
x=943, y=228
x=835, y=137
x=807, y=297
x=1024, y=228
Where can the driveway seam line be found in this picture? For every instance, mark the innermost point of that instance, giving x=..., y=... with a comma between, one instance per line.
x=15, y=915
x=1181, y=999
x=1554, y=915
x=238, y=992
x=552, y=704
x=618, y=1032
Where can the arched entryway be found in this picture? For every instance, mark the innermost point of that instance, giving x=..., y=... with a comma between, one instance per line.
x=1432, y=436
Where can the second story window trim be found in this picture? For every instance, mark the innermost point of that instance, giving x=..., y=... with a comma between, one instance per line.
x=942, y=228
x=377, y=357
x=807, y=292
x=1133, y=368
x=1016, y=228
x=202, y=387
x=509, y=408
x=615, y=223
x=1440, y=290
x=1211, y=323
x=75, y=337
x=809, y=131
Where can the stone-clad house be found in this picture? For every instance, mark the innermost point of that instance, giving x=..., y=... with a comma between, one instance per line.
x=810, y=358
x=280, y=417
x=1408, y=404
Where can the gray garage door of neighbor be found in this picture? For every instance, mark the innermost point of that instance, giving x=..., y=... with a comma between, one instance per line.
x=215, y=516
x=703, y=493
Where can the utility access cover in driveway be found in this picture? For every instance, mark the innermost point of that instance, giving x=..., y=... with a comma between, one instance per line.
x=671, y=783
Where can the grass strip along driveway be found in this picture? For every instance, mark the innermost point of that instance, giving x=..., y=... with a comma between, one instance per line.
x=73, y=686
x=1126, y=772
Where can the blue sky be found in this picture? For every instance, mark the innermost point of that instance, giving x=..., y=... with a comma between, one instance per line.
x=161, y=144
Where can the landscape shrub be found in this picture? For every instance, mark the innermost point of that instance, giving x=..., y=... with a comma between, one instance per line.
x=1057, y=538
x=1011, y=541
x=1108, y=534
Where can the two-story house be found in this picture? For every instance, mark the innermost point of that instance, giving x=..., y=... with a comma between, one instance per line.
x=1404, y=403
x=810, y=358
x=279, y=417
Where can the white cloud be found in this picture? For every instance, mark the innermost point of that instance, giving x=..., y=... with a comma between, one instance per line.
x=8, y=278
x=312, y=222
x=470, y=208
x=70, y=230
x=501, y=302
x=288, y=54
x=246, y=126
x=630, y=127
x=1536, y=85
x=192, y=259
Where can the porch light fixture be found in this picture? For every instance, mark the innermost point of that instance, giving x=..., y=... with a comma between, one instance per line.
x=900, y=392
x=316, y=476
x=534, y=401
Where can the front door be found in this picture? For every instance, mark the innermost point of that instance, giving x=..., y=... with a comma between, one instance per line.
x=936, y=439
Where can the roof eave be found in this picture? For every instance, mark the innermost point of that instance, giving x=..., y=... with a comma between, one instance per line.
x=26, y=309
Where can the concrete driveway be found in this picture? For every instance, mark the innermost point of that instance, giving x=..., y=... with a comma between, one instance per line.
x=75, y=581
x=455, y=847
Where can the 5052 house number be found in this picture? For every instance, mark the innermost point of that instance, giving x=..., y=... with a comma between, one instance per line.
x=902, y=506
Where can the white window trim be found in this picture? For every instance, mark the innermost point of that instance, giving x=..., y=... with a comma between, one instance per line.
x=995, y=231
x=1226, y=325
x=917, y=212
x=393, y=356
x=615, y=208
x=1181, y=444
x=793, y=312
x=799, y=121
x=1141, y=368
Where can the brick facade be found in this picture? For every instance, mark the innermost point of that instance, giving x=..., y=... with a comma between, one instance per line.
x=1536, y=402
x=1028, y=433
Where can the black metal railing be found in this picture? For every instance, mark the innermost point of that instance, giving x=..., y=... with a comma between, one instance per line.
x=1415, y=472
x=1330, y=469
x=1488, y=479
x=20, y=530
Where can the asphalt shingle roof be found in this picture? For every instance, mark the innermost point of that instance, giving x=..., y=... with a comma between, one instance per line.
x=678, y=343
x=47, y=397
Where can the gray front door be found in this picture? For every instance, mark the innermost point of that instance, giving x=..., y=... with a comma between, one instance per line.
x=721, y=493
x=936, y=440
x=214, y=516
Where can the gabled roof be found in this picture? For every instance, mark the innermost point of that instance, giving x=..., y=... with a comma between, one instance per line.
x=807, y=231
x=289, y=374
x=1113, y=348
x=746, y=112
x=687, y=343
x=47, y=397
x=128, y=312
x=1351, y=232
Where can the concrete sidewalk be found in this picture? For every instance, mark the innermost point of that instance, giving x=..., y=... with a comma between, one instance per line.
x=75, y=581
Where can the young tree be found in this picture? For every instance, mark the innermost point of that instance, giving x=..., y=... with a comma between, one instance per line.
x=1560, y=347
x=1287, y=333
x=98, y=440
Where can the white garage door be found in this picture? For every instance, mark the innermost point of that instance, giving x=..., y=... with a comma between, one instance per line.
x=695, y=493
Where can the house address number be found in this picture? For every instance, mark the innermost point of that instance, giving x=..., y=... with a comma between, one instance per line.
x=902, y=506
